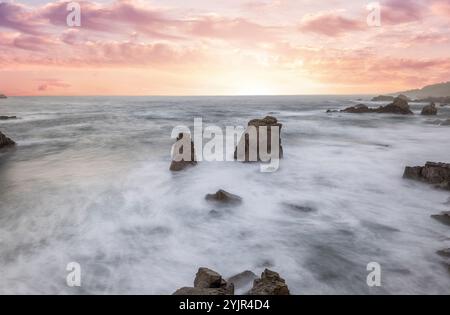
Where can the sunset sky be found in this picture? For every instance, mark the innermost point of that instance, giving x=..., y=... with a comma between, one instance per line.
x=205, y=47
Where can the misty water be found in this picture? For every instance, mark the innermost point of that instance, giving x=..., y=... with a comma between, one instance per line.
x=89, y=182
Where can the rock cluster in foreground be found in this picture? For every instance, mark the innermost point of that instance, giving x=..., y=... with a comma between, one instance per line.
x=5, y=141
x=268, y=122
x=209, y=282
x=432, y=173
x=180, y=165
x=398, y=106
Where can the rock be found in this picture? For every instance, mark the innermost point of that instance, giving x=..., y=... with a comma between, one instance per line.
x=224, y=197
x=398, y=106
x=432, y=173
x=268, y=122
x=183, y=140
x=443, y=217
x=332, y=111
x=444, y=252
x=382, y=98
x=5, y=141
x=243, y=279
x=299, y=208
x=404, y=97
x=270, y=283
x=7, y=117
x=2, y=96
x=207, y=282
x=429, y=110
x=358, y=109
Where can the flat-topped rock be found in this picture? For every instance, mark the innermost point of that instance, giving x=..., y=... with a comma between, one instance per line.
x=7, y=117
x=432, y=173
x=443, y=217
x=5, y=141
x=247, y=156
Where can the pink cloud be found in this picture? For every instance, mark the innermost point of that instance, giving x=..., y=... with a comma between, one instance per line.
x=402, y=11
x=330, y=24
x=52, y=84
x=17, y=17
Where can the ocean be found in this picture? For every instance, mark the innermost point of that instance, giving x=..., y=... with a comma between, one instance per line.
x=89, y=182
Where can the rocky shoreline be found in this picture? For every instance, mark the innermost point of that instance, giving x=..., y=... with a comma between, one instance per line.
x=209, y=282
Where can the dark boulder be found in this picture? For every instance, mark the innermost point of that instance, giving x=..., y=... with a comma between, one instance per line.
x=443, y=217
x=432, y=173
x=398, y=106
x=429, y=110
x=179, y=163
x=7, y=117
x=270, y=283
x=5, y=141
x=221, y=196
x=244, y=142
x=207, y=282
x=444, y=252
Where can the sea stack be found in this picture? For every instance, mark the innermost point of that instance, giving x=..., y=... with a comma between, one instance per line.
x=248, y=155
x=179, y=161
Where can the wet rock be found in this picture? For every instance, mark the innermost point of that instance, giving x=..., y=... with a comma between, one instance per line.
x=383, y=98
x=207, y=282
x=444, y=252
x=332, y=111
x=429, y=110
x=7, y=117
x=358, y=109
x=270, y=283
x=221, y=196
x=443, y=217
x=398, y=106
x=5, y=141
x=243, y=279
x=183, y=141
x=432, y=173
x=2, y=96
x=248, y=156
x=404, y=97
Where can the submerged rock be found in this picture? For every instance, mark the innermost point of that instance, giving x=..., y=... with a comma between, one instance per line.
x=5, y=141
x=270, y=283
x=429, y=110
x=207, y=282
x=244, y=142
x=224, y=197
x=444, y=252
x=7, y=117
x=398, y=106
x=443, y=217
x=183, y=140
x=432, y=173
